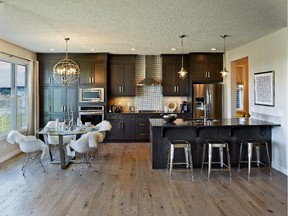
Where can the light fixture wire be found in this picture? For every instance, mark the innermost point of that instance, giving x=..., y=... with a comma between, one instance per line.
x=224, y=72
x=182, y=73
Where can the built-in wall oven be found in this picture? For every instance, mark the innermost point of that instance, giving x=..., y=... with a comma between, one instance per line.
x=93, y=114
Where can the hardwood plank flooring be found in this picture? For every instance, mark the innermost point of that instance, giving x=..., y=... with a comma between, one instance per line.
x=125, y=184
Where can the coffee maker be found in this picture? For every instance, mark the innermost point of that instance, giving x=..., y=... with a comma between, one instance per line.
x=184, y=107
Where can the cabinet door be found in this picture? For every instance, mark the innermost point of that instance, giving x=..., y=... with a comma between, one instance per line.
x=99, y=73
x=46, y=73
x=198, y=71
x=128, y=130
x=169, y=87
x=206, y=67
x=70, y=100
x=214, y=69
x=85, y=72
x=116, y=79
x=173, y=85
x=128, y=85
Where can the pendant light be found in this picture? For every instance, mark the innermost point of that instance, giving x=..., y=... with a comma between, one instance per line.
x=182, y=73
x=224, y=72
x=66, y=71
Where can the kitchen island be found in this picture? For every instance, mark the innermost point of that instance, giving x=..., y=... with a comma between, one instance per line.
x=196, y=132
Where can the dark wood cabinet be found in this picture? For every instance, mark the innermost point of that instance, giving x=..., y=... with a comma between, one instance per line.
x=122, y=75
x=206, y=67
x=55, y=102
x=92, y=72
x=122, y=127
x=56, y=99
x=46, y=64
x=129, y=127
x=173, y=85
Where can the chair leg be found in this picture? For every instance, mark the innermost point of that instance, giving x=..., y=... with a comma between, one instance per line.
x=258, y=155
x=249, y=158
x=186, y=157
x=268, y=157
x=191, y=161
x=209, y=159
x=171, y=158
x=240, y=156
x=203, y=156
x=221, y=156
x=228, y=160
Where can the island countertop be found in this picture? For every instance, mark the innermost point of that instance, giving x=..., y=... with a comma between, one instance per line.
x=230, y=130
x=159, y=122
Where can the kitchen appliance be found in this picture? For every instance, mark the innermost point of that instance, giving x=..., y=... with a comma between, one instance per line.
x=93, y=114
x=91, y=94
x=184, y=107
x=209, y=95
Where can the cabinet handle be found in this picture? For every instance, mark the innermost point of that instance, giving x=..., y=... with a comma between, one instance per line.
x=122, y=88
x=174, y=89
x=208, y=74
x=50, y=80
x=92, y=79
x=142, y=134
x=142, y=124
x=205, y=74
x=119, y=89
x=49, y=108
x=177, y=88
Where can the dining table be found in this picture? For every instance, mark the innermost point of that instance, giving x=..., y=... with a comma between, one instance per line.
x=65, y=159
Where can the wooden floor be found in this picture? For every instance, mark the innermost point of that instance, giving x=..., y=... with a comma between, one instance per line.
x=125, y=184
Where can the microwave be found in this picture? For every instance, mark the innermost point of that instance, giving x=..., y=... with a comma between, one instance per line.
x=91, y=94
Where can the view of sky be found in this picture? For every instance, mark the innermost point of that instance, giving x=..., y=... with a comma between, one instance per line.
x=5, y=74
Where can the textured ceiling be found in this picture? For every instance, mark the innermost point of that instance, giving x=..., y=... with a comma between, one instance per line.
x=150, y=26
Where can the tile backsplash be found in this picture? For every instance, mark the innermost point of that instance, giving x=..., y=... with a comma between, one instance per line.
x=147, y=97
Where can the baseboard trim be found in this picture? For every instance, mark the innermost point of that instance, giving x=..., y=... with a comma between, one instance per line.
x=10, y=155
x=280, y=168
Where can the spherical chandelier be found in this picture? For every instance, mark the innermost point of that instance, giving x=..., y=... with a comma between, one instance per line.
x=66, y=71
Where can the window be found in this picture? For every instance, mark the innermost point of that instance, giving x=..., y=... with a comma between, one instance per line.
x=239, y=97
x=13, y=100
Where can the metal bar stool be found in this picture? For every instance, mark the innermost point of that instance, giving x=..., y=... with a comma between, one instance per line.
x=220, y=145
x=256, y=144
x=173, y=144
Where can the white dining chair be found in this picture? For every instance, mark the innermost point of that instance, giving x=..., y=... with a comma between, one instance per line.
x=29, y=145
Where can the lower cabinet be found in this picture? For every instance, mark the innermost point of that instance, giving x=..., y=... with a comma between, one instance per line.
x=122, y=127
x=129, y=127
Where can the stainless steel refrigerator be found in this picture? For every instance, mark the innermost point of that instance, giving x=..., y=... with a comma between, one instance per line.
x=210, y=95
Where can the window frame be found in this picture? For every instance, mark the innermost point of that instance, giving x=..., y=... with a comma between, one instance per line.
x=14, y=96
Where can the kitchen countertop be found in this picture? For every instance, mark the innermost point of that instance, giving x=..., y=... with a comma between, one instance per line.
x=159, y=122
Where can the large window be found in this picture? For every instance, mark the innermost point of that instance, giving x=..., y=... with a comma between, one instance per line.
x=13, y=92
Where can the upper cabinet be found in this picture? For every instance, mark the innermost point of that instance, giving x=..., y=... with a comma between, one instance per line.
x=121, y=75
x=93, y=72
x=206, y=67
x=46, y=64
x=172, y=84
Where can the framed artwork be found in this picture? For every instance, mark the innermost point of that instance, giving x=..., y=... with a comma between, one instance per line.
x=264, y=89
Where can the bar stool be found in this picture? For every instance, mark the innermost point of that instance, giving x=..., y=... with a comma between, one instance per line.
x=174, y=144
x=256, y=144
x=220, y=145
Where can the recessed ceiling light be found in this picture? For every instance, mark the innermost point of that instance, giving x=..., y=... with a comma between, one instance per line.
x=173, y=49
x=213, y=49
x=133, y=49
x=92, y=49
x=52, y=49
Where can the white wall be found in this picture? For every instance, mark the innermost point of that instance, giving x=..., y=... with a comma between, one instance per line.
x=266, y=54
x=7, y=150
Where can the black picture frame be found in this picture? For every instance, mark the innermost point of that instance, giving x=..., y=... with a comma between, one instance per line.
x=264, y=88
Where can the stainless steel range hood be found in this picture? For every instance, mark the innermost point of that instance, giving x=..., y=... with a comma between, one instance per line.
x=150, y=65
